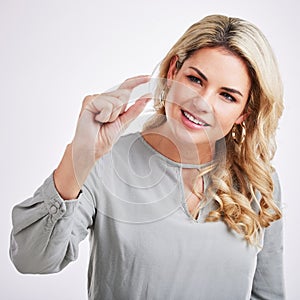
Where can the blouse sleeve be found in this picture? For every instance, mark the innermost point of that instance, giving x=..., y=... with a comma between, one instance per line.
x=47, y=230
x=268, y=281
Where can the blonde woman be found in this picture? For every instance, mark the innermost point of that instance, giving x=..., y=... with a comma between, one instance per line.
x=189, y=208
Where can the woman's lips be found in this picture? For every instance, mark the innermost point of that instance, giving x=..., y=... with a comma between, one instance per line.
x=192, y=121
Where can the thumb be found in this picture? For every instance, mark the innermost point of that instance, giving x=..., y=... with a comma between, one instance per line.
x=133, y=111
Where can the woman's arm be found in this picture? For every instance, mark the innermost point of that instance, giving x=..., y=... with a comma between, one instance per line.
x=47, y=230
x=103, y=118
x=268, y=280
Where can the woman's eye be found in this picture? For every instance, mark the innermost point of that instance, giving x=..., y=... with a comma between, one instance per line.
x=228, y=97
x=194, y=79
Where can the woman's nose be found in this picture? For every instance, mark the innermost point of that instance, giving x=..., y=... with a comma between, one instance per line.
x=203, y=102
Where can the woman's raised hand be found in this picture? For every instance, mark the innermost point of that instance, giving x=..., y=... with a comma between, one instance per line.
x=102, y=120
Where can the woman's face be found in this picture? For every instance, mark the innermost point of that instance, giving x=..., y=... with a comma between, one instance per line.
x=207, y=95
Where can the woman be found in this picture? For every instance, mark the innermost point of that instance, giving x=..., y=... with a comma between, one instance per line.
x=190, y=207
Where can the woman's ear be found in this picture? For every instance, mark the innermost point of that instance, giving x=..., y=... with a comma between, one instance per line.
x=172, y=70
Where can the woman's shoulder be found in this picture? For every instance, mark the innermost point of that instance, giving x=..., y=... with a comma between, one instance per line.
x=128, y=144
x=129, y=151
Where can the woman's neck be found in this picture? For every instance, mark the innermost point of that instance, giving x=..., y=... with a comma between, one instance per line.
x=169, y=146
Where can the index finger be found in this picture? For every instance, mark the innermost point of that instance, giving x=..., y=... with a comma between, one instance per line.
x=133, y=82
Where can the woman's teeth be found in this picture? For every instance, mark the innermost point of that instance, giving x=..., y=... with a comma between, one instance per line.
x=192, y=119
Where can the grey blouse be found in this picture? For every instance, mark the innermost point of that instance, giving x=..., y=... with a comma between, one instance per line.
x=144, y=242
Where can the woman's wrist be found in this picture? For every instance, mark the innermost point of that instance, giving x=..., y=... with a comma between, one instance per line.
x=65, y=179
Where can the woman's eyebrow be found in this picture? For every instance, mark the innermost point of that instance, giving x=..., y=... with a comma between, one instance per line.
x=232, y=91
x=199, y=73
x=224, y=88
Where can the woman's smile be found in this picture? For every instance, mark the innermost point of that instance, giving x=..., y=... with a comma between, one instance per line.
x=192, y=121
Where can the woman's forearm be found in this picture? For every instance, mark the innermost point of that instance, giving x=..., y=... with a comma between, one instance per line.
x=65, y=177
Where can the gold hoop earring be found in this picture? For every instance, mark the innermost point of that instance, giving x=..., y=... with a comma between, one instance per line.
x=235, y=133
x=162, y=98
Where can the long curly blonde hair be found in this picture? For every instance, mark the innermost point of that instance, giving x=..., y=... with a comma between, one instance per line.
x=247, y=171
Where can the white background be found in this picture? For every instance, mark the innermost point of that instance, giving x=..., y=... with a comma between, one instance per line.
x=55, y=52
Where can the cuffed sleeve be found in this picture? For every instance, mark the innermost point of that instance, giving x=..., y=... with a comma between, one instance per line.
x=268, y=283
x=47, y=230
